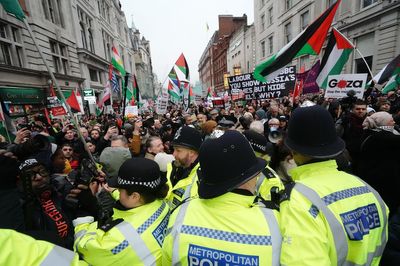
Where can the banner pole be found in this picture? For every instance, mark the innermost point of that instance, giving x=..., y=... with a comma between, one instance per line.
x=74, y=121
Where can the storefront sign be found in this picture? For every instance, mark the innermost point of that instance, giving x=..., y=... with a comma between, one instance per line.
x=22, y=95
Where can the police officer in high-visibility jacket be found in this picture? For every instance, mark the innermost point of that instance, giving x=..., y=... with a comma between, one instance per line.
x=136, y=232
x=268, y=179
x=181, y=173
x=20, y=249
x=331, y=217
x=224, y=226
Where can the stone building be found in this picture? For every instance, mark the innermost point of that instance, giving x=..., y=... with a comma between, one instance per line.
x=372, y=25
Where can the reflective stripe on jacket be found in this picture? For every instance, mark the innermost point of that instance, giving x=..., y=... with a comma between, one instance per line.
x=332, y=218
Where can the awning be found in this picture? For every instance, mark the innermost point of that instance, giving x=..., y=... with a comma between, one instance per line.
x=16, y=95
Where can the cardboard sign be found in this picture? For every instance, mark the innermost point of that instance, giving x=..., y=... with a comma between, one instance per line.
x=339, y=85
x=218, y=103
x=251, y=89
x=131, y=110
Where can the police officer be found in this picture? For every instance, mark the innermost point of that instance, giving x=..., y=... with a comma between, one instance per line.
x=181, y=173
x=331, y=217
x=136, y=232
x=224, y=226
x=268, y=178
x=20, y=249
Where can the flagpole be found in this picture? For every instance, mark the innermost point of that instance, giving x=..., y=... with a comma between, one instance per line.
x=369, y=70
x=28, y=27
x=124, y=103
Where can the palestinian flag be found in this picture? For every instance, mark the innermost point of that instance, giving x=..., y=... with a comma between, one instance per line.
x=336, y=56
x=308, y=42
x=135, y=92
x=117, y=62
x=174, y=84
x=13, y=7
x=388, y=72
x=393, y=83
x=72, y=100
x=183, y=66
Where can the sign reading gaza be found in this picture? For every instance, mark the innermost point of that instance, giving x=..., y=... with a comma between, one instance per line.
x=255, y=89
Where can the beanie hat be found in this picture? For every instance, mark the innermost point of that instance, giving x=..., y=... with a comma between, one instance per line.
x=260, y=113
x=187, y=137
x=163, y=159
x=113, y=157
x=28, y=163
x=377, y=120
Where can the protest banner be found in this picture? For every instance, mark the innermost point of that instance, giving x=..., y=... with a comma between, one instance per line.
x=339, y=85
x=309, y=79
x=218, y=103
x=131, y=110
x=245, y=86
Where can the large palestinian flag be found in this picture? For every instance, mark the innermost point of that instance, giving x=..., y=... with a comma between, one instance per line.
x=336, y=56
x=183, y=66
x=308, y=42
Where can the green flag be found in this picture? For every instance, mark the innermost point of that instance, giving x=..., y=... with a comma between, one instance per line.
x=13, y=7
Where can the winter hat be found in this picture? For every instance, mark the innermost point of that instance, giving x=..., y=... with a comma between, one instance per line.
x=27, y=164
x=138, y=173
x=377, y=120
x=163, y=159
x=187, y=137
x=370, y=109
x=226, y=163
x=113, y=157
x=260, y=113
x=312, y=132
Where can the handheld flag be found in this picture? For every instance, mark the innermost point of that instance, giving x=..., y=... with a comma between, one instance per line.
x=13, y=7
x=174, y=84
x=117, y=62
x=182, y=65
x=72, y=101
x=336, y=56
x=390, y=74
x=308, y=42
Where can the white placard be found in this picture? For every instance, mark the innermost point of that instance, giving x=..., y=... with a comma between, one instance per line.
x=339, y=85
x=131, y=110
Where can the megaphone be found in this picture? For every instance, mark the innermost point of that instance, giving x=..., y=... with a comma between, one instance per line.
x=275, y=135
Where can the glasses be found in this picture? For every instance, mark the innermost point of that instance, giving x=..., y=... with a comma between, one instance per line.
x=33, y=173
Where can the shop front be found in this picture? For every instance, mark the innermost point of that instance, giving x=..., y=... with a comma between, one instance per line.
x=23, y=102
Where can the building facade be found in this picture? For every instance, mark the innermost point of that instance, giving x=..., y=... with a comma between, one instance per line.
x=372, y=25
x=143, y=65
x=241, y=51
x=216, y=52
x=206, y=67
x=76, y=38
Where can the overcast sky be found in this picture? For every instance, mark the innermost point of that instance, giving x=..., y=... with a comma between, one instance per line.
x=176, y=26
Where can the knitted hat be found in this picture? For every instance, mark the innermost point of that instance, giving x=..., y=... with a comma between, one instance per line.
x=377, y=120
x=260, y=113
x=113, y=157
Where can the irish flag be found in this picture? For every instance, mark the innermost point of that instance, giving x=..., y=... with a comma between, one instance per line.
x=336, y=56
x=308, y=42
x=117, y=62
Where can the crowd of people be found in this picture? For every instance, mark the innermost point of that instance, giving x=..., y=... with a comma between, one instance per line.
x=309, y=182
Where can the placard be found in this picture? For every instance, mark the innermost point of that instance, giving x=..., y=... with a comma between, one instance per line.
x=339, y=85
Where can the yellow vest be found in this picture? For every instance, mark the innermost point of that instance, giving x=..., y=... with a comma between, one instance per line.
x=332, y=218
x=178, y=193
x=135, y=241
x=268, y=179
x=20, y=249
x=226, y=230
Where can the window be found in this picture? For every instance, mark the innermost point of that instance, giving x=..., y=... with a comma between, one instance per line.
x=304, y=19
x=11, y=52
x=288, y=4
x=52, y=11
x=95, y=75
x=288, y=32
x=365, y=3
x=270, y=16
x=85, y=23
x=366, y=45
x=262, y=48
x=262, y=22
x=104, y=9
x=107, y=45
x=270, y=44
x=60, y=57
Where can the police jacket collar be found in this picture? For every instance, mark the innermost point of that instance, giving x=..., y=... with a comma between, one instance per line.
x=302, y=172
x=230, y=199
x=122, y=212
